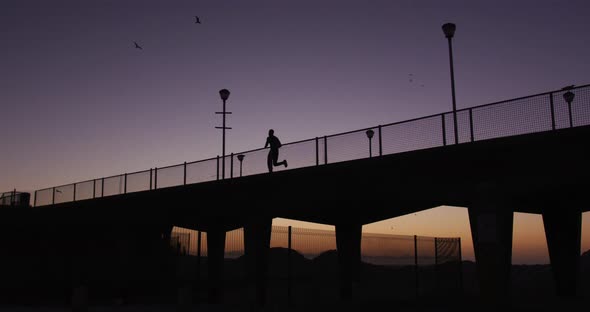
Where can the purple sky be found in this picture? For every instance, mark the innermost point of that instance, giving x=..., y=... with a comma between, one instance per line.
x=80, y=102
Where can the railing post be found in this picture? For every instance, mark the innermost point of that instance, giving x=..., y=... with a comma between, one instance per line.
x=325, y=150
x=444, y=129
x=184, y=181
x=125, y=184
x=35, y=200
x=231, y=165
x=552, y=111
x=416, y=265
x=102, y=188
x=217, y=167
x=156, y=178
x=380, y=142
x=74, y=192
x=317, y=152
x=94, y=188
x=53, y=196
x=150, y=179
x=471, y=123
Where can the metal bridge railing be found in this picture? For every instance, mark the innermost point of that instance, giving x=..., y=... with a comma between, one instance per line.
x=535, y=113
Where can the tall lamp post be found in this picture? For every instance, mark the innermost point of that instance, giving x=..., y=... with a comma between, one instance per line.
x=569, y=97
x=224, y=94
x=370, y=134
x=241, y=158
x=449, y=30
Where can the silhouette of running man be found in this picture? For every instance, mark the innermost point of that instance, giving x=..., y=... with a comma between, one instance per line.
x=273, y=154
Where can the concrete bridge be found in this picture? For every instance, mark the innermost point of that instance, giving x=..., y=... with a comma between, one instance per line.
x=541, y=167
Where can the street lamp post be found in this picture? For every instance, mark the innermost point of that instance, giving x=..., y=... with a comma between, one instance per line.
x=569, y=97
x=449, y=30
x=224, y=94
x=370, y=134
x=241, y=158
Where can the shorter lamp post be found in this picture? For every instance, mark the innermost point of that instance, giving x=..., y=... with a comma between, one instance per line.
x=370, y=134
x=241, y=158
x=569, y=97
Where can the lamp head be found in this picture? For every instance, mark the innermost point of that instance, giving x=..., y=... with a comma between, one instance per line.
x=449, y=30
x=224, y=93
x=241, y=157
x=569, y=96
x=370, y=133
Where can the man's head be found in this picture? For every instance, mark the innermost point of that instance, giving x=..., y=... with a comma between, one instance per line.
x=271, y=132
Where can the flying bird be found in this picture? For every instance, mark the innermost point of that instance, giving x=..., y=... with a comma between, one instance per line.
x=137, y=46
x=197, y=20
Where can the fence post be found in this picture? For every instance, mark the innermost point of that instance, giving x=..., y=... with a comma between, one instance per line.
x=74, y=195
x=35, y=200
x=102, y=188
x=125, y=186
x=444, y=129
x=460, y=268
x=231, y=165
x=325, y=150
x=380, y=142
x=156, y=178
x=184, y=181
x=150, y=179
x=198, y=257
x=552, y=111
x=471, y=123
x=94, y=188
x=436, y=262
x=289, y=270
x=416, y=265
x=53, y=196
x=317, y=152
x=217, y=167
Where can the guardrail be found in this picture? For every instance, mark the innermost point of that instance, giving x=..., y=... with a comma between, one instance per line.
x=530, y=114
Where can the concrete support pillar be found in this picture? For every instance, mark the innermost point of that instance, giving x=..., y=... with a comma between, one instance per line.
x=257, y=245
x=491, y=221
x=348, y=244
x=215, y=255
x=563, y=229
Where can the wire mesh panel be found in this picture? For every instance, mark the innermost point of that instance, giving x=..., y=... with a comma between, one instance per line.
x=255, y=162
x=382, y=249
x=311, y=243
x=448, y=250
x=138, y=181
x=301, y=154
x=98, y=188
x=581, y=107
x=201, y=171
x=84, y=190
x=412, y=135
x=351, y=146
x=44, y=197
x=234, y=243
x=64, y=194
x=528, y=115
x=170, y=176
x=114, y=185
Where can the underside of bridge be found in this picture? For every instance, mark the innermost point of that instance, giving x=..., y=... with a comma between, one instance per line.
x=544, y=173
